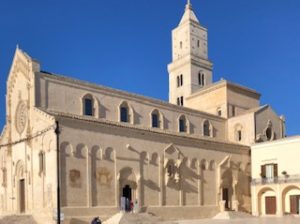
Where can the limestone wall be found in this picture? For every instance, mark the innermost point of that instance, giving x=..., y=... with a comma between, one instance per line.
x=64, y=95
x=98, y=160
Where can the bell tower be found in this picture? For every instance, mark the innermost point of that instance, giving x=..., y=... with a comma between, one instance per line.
x=190, y=69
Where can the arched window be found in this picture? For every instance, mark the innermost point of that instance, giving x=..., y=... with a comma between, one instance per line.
x=238, y=132
x=181, y=80
x=155, y=119
x=178, y=81
x=182, y=123
x=269, y=133
x=41, y=163
x=207, y=129
x=124, y=112
x=88, y=105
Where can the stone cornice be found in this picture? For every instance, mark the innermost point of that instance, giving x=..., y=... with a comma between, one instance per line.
x=187, y=59
x=269, y=145
x=135, y=97
x=234, y=148
x=230, y=85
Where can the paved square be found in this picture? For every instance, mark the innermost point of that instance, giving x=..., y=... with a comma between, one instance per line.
x=263, y=220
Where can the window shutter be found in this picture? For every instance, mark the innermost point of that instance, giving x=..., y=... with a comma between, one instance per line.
x=275, y=170
x=263, y=171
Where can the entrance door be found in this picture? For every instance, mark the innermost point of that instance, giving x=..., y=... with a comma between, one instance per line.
x=22, y=196
x=271, y=205
x=225, y=197
x=127, y=193
x=294, y=203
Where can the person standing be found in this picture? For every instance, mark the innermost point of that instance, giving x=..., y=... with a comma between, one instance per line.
x=131, y=206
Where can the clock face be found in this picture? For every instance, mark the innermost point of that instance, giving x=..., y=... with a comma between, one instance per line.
x=21, y=117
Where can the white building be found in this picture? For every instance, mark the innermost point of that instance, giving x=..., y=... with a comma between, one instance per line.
x=275, y=186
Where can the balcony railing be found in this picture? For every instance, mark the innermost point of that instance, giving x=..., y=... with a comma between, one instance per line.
x=276, y=180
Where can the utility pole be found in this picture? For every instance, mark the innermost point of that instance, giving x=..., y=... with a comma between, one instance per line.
x=57, y=132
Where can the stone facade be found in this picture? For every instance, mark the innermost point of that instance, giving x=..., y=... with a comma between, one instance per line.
x=177, y=161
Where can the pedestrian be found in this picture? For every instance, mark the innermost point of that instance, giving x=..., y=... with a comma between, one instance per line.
x=127, y=205
x=96, y=220
x=136, y=207
x=131, y=206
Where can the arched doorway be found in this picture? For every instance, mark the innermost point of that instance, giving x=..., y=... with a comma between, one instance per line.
x=267, y=201
x=227, y=188
x=128, y=188
x=127, y=192
x=291, y=200
x=21, y=196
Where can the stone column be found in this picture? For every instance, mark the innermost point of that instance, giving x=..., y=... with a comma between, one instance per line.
x=139, y=190
x=117, y=191
x=161, y=180
x=254, y=201
x=279, y=211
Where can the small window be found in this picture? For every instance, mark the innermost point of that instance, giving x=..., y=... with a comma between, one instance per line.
x=181, y=80
x=178, y=101
x=239, y=135
x=4, y=177
x=178, y=81
x=182, y=124
x=201, y=79
x=180, y=44
x=206, y=128
x=124, y=114
x=233, y=111
x=155, y=119
x=181, y=101
x=198, y=43
x=41, y=163
x=88, y=106
x=269, y=171
x=219, y=112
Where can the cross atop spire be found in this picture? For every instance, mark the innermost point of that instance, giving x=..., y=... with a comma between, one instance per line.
x=188, y=4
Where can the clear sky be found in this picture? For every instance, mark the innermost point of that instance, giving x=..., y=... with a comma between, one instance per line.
x=127, y=44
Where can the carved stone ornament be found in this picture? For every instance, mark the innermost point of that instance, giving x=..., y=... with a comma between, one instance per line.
x=21, y=117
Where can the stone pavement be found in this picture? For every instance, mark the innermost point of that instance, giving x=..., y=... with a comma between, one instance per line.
x=262, y=220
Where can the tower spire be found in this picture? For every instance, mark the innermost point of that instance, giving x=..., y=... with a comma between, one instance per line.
x=189, y=15
x=188, y=4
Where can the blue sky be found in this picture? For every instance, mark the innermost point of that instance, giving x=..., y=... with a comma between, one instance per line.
x=127, y=44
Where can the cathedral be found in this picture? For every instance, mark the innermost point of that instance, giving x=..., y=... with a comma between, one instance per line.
x=186, y=158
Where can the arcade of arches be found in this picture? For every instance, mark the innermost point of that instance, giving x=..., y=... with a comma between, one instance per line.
x=276, y=199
